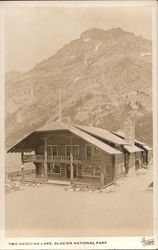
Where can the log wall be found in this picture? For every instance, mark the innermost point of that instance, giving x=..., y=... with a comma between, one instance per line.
x=138, y=160
x=90, y=169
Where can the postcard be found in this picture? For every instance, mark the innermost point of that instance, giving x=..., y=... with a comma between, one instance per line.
x=78, y=125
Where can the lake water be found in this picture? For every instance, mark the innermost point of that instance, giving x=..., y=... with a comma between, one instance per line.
x=13, y=162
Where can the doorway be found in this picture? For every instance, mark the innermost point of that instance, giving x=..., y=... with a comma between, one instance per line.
x=68, y=171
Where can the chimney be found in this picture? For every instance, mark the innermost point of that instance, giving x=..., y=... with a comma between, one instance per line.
x=129, y=129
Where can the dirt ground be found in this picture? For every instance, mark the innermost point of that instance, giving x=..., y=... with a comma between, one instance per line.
x=125, y=209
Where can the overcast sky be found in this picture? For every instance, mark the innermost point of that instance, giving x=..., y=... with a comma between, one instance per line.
x=36, y=33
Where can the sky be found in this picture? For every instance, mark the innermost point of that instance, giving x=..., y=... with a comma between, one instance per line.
x=33, y=34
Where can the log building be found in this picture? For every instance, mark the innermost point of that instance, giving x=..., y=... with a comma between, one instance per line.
x=146, y=151
x=76, y=153
x=132, y=153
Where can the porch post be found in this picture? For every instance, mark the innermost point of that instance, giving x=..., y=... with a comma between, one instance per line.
x=45, y=159
x=71, y=162
x=77, y=170
x=22, y=167
x=102, y=177
x=113, y=168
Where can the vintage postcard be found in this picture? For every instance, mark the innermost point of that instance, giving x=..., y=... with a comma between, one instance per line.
x=78, y=125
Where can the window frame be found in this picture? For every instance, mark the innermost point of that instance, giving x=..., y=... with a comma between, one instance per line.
x=78, y=150
x=66, y=146
x=86, y=157
x=88, y=175
x=57, y=165
x=99, y=171
x=51, y=146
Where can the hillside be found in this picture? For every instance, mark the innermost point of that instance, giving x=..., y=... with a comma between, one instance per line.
x=103, y=76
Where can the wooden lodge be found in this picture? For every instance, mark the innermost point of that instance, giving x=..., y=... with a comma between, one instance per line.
x=78, y=154
x=132, y=153
x=146, y=151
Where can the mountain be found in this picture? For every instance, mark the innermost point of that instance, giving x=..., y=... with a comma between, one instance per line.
x=103, y=75
x=12, y=75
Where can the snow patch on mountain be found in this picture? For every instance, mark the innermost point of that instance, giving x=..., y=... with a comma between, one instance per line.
x=76, y=79
x=97, y=46
x=86, y=39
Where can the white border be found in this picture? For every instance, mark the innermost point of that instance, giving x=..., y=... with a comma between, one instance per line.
x=155, y=116
x=2, y=132
x=122, y=3
x=112, y=242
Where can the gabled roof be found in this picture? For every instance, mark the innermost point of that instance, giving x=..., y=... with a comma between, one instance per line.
x=92, y=140
x=142, y=144
x=55, y=126
x=35, y=138
x=147, y=147
x=132, y=149
x=102, y=134
x=26, y=144
x=119, y=134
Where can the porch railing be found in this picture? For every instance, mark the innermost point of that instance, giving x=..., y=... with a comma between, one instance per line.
x=51, y=158
x=33, y=158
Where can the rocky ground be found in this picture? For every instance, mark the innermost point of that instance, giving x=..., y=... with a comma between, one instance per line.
x=122, y=209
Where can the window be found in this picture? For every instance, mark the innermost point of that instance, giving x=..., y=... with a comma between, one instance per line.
x=52, y=150
x=97, y=170
x=67, y=150
x=113, y=160
x=53, y=168
x=88, y=152
x=75, y=149
x=49, y=150
x=96, y=150
x=56, y=168
x=88, y=170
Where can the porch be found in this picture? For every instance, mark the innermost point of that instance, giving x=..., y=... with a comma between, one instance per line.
x=31, y=178
x=51, y=158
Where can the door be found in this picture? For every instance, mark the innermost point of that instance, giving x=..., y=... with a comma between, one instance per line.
x=75, y=171
x=137, y=164
x=68, y=171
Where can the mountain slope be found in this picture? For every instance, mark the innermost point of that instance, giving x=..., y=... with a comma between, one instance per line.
x=103, y=76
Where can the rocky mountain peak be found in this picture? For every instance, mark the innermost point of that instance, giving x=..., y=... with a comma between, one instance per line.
x=101, y=34
x=93, y=34
x=103, y=75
